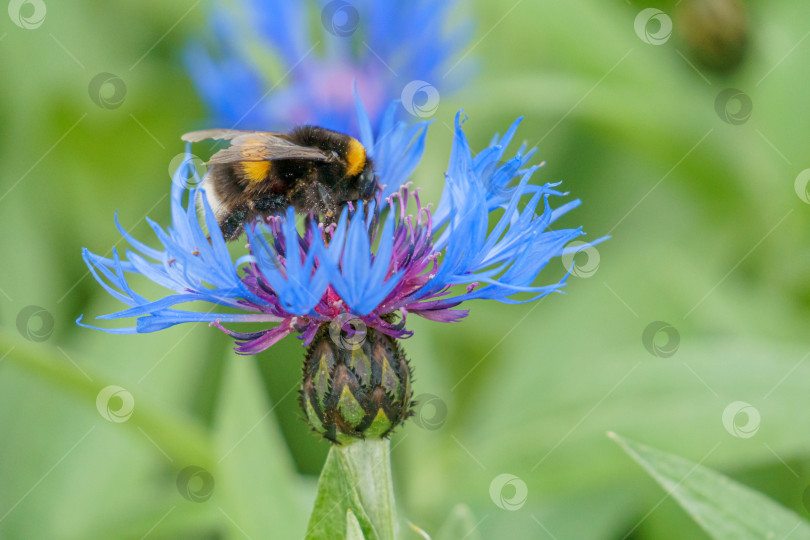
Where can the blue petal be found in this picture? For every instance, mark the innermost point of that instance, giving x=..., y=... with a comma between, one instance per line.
x=507, y=257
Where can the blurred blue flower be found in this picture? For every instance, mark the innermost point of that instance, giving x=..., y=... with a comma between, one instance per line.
x=490, y=234
x=390, y=49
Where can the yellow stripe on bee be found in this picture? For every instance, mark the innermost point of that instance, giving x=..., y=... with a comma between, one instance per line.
x=255, y=171
x=355, y=157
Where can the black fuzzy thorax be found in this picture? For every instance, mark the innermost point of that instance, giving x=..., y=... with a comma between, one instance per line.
x=324, y=139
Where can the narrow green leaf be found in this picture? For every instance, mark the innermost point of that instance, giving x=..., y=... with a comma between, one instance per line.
x=353, y=529
x=336, y=492
x=255, y=475
x=459, y=524
x=179, y=436
x=355, y=477
x=368, y=464
x=418, y=531
x=721, y=506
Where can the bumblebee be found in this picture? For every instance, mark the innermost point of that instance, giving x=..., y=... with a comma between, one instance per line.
x=260, y=174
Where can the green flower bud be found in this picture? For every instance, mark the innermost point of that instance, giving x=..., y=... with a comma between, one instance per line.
x=355, y=387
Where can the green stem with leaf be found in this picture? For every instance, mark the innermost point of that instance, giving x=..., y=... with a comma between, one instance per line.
x=355, y=488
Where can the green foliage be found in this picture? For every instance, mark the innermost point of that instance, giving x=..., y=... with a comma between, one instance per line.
x=355, y=490
x=724, y=508
x=353, y=529
x=708, y=232
x=257, y=474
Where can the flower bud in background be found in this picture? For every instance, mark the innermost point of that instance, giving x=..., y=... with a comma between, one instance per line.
x=716, y=32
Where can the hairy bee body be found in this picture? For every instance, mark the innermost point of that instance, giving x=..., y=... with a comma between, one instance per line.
x=310, y=168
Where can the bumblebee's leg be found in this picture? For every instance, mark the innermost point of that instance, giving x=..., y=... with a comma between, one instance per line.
x=328, y=205
x=232, y=224
x=273, y=203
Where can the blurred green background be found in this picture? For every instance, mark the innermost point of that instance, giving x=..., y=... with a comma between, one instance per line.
x=707, y=222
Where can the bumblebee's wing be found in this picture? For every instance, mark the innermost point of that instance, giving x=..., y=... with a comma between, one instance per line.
x=254, y=146
x=224, y=134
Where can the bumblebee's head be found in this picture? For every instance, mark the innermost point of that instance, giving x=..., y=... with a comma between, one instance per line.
x=367, y=182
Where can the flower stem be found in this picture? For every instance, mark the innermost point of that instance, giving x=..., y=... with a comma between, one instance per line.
x=356, y=477
x=370, y=462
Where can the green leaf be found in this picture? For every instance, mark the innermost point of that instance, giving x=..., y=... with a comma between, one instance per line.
x=179, y=436
x=255, y=472
x=355, y=477
x=336, y=492
x=353, y=529
x=721, y=506
x=460, y=523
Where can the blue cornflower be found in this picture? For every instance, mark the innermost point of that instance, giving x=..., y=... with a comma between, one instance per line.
x=392, y=48
x=373, y=264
